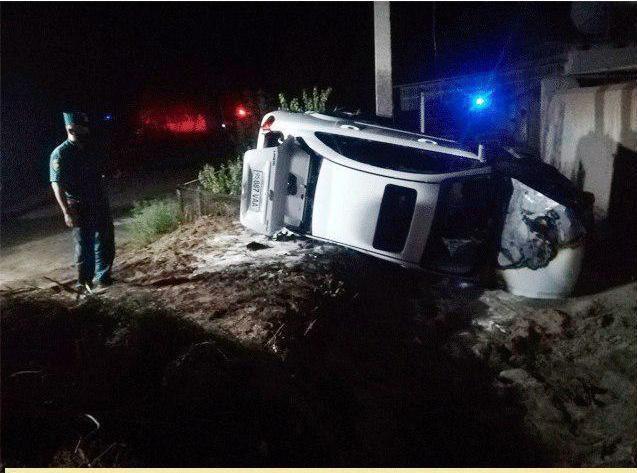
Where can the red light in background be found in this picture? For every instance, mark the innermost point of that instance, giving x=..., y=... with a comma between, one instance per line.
x=187, y=124
x=180, y=120
x=241, y=112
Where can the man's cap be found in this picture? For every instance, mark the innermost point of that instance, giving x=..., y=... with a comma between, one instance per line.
x=75, y=118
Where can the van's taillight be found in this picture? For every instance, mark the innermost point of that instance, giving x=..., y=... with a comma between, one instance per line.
x=267, y=124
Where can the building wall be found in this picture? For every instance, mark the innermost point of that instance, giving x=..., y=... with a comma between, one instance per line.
x=590, y=135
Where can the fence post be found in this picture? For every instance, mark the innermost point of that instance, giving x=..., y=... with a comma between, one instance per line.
x=180, y=199
x=198, y=201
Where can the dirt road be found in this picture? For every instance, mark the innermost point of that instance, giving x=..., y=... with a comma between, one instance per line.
x=38, y=243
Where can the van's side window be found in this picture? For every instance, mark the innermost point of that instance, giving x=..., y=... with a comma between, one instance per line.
x=394, y=157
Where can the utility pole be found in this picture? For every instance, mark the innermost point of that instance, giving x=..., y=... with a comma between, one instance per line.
x=433, y=36
x=422, y=112
x=382, y=60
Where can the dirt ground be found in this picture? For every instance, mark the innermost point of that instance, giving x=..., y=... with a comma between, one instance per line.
x=42, y=232
x=286, y=352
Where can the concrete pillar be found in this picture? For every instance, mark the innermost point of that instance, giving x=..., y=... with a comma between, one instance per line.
x=382, y=60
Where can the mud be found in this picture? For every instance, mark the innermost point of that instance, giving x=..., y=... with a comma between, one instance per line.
x=254, y=352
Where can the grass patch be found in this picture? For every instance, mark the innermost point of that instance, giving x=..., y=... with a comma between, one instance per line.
x=223, y=179
x=152, y=219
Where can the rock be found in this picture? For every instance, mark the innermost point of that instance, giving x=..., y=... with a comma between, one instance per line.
x=284, y=235
x=519, y=376
x=255, y=246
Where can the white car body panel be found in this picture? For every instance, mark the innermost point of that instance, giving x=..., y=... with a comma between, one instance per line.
x=354, y=223
x=348, y=194
x=310, y=123
x=430, y=219
x=267, y=209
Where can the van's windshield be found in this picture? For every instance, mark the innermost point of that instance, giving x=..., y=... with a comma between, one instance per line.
x=396, y=158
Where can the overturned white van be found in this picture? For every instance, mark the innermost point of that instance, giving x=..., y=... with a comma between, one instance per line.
x=422, y=202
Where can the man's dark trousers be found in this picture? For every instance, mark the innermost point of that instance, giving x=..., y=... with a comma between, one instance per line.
x=94, y=242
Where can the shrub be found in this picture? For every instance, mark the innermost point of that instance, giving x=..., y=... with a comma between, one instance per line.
x=225, y=179
x=153, y=218
x=314, y=103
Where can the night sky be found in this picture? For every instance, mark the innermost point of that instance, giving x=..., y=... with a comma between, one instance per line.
x=121, y=57
x=108, y=54
x=125, y=57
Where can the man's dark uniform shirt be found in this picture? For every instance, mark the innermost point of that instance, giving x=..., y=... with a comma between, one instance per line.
x=79, y=172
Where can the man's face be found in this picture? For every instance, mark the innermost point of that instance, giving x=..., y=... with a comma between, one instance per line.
x=78, y=132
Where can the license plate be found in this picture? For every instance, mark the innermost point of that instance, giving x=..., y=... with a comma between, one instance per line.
x=255, y=193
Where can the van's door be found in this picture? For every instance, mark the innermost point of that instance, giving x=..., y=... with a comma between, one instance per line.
x=296, y=193
x=273, y=187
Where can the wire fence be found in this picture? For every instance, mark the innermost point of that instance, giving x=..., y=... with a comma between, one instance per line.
x=195, y=202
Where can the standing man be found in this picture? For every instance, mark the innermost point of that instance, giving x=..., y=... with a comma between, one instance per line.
x=76, y=175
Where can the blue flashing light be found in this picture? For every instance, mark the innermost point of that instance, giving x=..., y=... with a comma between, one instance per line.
x=479, y=102
x=108, y=117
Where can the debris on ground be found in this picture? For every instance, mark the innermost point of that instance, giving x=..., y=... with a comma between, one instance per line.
x=255, y=246
x=219, y=346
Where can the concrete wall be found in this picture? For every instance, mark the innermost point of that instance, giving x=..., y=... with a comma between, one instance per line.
x=590, y=135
